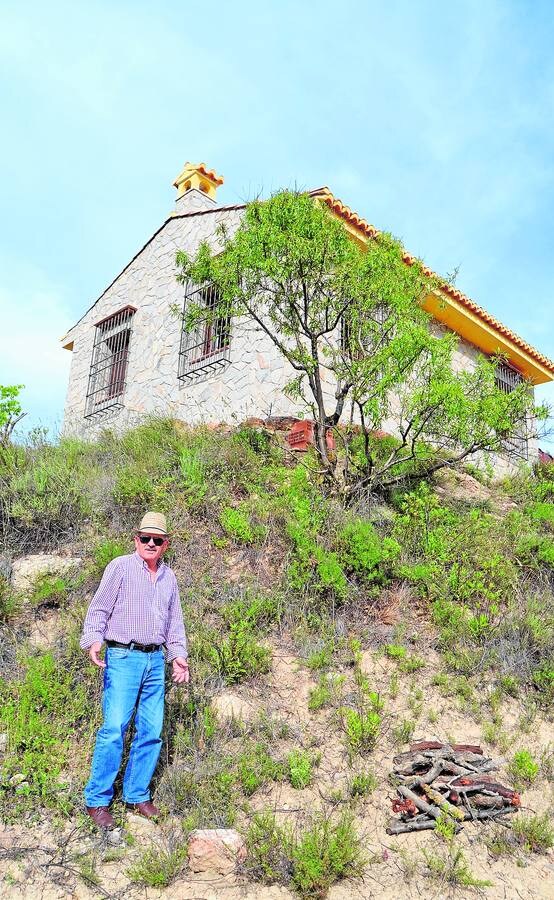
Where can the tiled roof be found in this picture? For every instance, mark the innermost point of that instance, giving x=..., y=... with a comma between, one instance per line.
x=356, y=222
x=209, y=173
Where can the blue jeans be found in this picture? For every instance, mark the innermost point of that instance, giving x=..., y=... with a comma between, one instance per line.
x=132, y=679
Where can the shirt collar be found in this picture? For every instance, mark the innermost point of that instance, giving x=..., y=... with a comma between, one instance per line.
x=141, y=561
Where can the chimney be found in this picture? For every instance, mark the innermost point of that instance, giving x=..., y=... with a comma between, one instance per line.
x=196, y=186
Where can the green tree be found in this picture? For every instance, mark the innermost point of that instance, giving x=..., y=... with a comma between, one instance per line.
x=351, y=317
x=10, y=411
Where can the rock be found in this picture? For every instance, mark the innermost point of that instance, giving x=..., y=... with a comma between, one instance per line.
x=231, y=706
x=45, y=631
x=3, y=742
x=215, y=850
x=26, y=569
x=141, y=828
x=18, y=778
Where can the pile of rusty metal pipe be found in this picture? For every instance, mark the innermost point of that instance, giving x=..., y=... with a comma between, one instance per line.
x=436, y=781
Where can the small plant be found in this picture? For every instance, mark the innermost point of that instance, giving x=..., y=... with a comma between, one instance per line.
x=445, y=828
x=523, y=767
x=322, y=657
x=395, y=651
x=49, y=590
x=411, y=664
x=362, y=729
x=300, y=769
x=268, y=848
x=236, y=523
x=534, y=833
x=362, y=784
x=320, y=695
x=106, y=550
x=323, y=854
x=404, y=731
x=452, y=868
x=239, y=655
x=393, y=686
x=9, y=603
x=255, y=768
x=157, y=867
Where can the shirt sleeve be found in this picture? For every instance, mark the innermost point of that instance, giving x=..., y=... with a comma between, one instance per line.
x=102, y=604
x=176, y=639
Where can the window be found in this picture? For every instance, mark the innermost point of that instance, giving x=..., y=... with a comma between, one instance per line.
x=108, y=369
x=206, y=347
x=507, y=380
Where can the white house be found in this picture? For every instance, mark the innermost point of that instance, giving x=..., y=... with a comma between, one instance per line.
x=130, y=357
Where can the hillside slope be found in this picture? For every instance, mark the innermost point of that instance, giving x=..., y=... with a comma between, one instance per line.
x=323, y=641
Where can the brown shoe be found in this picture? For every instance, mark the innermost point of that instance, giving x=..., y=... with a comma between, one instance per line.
x=146, y=809
x=101, y=816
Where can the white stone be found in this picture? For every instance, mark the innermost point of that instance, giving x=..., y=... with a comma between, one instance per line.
x=230, y=706
x=215, y=850
x=26, y=569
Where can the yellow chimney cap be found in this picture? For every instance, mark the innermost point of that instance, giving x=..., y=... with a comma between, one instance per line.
x=200, y=177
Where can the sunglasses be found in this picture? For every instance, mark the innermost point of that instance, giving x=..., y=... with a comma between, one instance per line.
x=146, y=538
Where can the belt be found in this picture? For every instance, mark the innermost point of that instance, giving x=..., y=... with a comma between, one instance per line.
x=144, y=648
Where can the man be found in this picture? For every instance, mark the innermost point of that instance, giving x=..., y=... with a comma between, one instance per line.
x=136, y=611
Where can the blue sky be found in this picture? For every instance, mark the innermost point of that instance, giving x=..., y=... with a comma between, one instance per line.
x=434, y=121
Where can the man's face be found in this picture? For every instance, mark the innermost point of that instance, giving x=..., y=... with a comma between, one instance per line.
x=149, y=551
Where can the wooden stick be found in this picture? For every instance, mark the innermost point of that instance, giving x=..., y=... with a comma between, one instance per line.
x=404, y=827
x=421, y=804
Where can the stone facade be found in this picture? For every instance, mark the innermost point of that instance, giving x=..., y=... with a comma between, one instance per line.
x=251, y=381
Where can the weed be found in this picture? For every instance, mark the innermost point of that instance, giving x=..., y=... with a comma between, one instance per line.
x=236, y=523
x=49, y=591
x=300, y=768
x=411, y=664
x=9, y=603
x=362, y=729
x=395, y=651
x=255, y=768
x=393, y=686
x=323, y=854
x=452, y=868
x=523, y=768
x=106, y=550
x=268, y=848
x=534, y=833
x=157, y=867
x=239, y=655
x=445, y=828
x=362, y=784
x=404, y=731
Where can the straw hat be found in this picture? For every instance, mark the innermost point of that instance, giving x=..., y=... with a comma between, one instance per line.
x=153, y=521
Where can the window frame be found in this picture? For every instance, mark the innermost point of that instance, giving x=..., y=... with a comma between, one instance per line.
x=109, y=362
x=207, y=347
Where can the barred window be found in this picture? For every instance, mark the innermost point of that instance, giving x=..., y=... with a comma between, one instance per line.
x=206, y=347
x=108, y=368
x=507, y=378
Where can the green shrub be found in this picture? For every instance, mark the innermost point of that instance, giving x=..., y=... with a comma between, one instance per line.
x=202, y=793
x=542, y=512
x=239, y=655
x=133, y=488
x=255, y=612
x=49, y=590
x=452, y=868
x=39, y=714
x=268, y=848
x=325, y=853
x=534, y=833
x=255, y=768
x=362, y=729
x=157, y=867
x=395, y=651
x=300, y=769
x=9, y=604
x=404, y=731
x=362, y=784
x=194, y=476
x=235, y=521
x=523, y=768
x=365, y=552
x=106, y=550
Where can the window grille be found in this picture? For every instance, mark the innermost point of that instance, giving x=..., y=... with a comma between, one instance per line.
x=507, y=380
x=108, y=369
x=206, y=347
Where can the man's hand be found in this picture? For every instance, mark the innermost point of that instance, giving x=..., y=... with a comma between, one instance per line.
x=93, y=652
x=180, y=670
